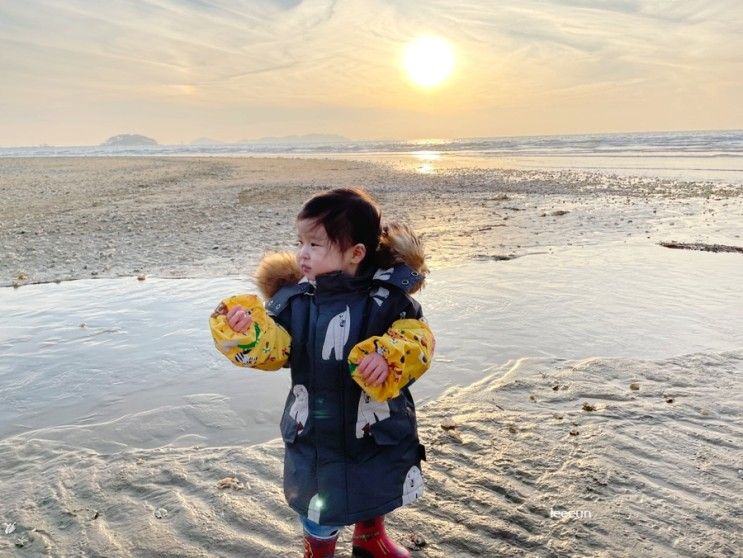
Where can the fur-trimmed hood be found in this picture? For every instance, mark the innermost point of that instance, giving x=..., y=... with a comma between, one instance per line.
x=397, y=245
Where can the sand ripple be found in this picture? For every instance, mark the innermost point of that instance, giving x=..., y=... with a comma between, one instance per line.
x=516, y=467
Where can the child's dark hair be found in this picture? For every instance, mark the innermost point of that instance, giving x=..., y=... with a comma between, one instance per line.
x=349, y=216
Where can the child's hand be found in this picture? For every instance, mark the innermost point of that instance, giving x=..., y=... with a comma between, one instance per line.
x=373, y=369
x=238, y=319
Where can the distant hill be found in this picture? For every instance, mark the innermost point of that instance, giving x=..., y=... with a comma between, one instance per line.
x=206, y=141
x=304, y=139
x=128, y=140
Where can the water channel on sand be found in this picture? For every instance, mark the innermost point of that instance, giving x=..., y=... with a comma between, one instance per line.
x=115, y=363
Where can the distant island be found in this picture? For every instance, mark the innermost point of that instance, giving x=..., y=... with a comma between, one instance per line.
x=137, y=140
x=128, y=140
x=304, y=139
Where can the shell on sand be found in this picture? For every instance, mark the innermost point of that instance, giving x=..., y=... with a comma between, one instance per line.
x=230, y=482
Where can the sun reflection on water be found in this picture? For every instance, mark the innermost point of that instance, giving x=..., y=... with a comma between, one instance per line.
x=426, y=161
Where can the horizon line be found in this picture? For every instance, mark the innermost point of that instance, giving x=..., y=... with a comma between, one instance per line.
x=380, y=140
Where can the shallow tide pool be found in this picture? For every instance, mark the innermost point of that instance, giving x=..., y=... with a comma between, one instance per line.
x=115, y=363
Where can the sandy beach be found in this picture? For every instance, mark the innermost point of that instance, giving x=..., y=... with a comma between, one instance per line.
x=71, y=218
x=543, y=451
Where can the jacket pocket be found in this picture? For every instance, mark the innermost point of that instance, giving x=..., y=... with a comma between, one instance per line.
x=399, y=425
x=392, y=431
x=296, y=414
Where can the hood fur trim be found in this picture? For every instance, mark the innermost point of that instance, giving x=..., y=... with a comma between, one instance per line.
x=276, y=270
x=397, y=245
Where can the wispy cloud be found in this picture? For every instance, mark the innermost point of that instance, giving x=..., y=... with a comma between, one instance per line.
x=284, y=58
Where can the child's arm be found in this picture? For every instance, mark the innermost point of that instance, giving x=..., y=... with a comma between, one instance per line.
x=407, y=348
x=264, y=344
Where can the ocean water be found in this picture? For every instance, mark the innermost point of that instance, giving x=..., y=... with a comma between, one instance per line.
x=706, y=155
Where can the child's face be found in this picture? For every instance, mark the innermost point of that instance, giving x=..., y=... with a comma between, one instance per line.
x=317, y=255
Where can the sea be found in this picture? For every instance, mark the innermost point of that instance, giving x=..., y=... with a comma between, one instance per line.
x=689, y=155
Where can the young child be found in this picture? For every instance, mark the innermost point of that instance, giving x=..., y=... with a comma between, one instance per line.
x=341, y=316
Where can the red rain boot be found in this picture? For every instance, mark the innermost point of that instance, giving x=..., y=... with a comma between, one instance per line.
x=319, y=548
x=371, y=541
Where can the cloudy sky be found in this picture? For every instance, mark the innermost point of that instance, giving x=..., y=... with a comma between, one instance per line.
x=74, y=72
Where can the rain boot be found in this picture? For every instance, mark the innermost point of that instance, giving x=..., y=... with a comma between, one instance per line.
x=371, y=541
x=315, y=547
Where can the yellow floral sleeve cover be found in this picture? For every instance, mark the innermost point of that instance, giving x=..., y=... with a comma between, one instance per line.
x=264, y=346
x=408, y=349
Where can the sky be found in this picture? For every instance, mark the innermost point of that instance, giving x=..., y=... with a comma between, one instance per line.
x=77, y=72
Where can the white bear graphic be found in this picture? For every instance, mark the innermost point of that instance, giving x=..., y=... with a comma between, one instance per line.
x=300, y=409
x=337, y=335
x=370, y=412
x=380, y=295
x=315, y=507
x=413, y=487
x=383, y=274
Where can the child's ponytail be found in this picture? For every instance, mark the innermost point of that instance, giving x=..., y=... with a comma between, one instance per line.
x=398, y=244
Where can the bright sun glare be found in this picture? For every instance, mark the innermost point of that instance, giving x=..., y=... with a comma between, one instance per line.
x=428, y=61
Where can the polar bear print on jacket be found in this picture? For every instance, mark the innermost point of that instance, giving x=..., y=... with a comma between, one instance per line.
x=370, y=412
x=300, y=408
x=380, y=295
x=412, y=489
x=383, y=274
x=314, y=509
x=337, y=335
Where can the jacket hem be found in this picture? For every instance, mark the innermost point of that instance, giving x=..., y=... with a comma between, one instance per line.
x=365, y=515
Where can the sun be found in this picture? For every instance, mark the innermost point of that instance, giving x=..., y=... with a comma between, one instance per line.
x=428, y=61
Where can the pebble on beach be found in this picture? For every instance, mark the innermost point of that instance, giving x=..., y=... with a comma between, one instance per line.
x=161, y=513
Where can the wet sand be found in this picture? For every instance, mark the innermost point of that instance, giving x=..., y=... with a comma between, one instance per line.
x=71, y=218
x=543, y=457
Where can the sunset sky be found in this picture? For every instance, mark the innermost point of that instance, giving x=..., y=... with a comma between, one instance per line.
x=76, y=72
